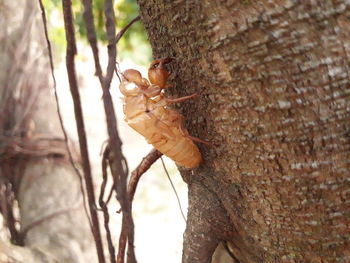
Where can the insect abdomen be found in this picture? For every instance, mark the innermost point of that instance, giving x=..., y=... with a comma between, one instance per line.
x=145, y=109
x=182, y=150
x=168, y=141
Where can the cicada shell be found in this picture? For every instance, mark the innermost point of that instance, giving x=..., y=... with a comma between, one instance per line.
x=145, y=109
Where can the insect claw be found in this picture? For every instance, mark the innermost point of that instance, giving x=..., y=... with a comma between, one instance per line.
x=200, y=141
x=181, y=99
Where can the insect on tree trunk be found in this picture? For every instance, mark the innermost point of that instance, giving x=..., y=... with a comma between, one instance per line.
x=274, y=77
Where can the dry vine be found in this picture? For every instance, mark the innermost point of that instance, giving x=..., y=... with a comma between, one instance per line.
x=103, y=205
x=145, y=164
x=116, y=160
x=112, y=155
x=70, y=63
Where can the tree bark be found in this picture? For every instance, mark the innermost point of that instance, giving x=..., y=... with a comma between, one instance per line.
x=274, y=77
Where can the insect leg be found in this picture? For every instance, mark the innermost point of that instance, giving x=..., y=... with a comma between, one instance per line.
x=199, y=140
x=162, y=126
x=177, y=120
x=181, y=99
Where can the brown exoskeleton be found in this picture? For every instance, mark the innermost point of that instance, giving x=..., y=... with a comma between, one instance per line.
x=146, y=112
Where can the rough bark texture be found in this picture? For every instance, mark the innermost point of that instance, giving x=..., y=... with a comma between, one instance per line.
x=274, y=77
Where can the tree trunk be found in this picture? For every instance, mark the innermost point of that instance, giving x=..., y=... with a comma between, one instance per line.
x=274, y=77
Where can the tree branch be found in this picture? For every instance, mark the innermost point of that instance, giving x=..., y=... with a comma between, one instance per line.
x=116, y=159
x=45, y=218
x=70, y=63
x=145, y=164
x=103, y=205
x=91, y=35
x=123, y=30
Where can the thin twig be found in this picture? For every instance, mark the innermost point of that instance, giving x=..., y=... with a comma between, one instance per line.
x=104, y=208
x=104, y=174
x=172, y=186
x=25, y=230
x=91, y=35
x=123, y=30
x=119, y=36
x=116, y=159
x=58, y=109
x=110, y=194
x=70, y=63
x=145, y=164
x=117, y=71
x=123, y=237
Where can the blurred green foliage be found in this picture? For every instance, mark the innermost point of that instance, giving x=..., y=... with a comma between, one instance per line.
x=133, y=45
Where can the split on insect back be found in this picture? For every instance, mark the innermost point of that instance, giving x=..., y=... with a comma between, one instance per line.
x=145, y=109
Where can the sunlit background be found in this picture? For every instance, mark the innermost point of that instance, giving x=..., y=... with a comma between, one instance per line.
x=159, y=225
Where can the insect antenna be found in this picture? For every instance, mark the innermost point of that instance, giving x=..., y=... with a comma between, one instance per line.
x=172, y=186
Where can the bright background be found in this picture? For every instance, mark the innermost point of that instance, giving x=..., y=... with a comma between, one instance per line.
x=159, y=226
